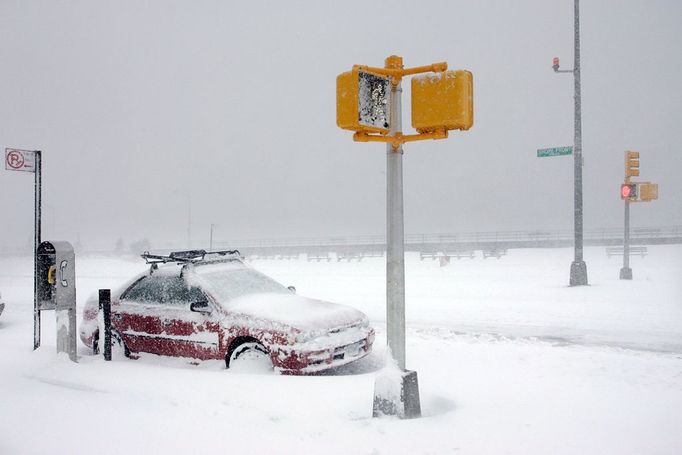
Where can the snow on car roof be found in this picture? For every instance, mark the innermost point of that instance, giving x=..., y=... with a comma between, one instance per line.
x=219, y=265
x=175, y=269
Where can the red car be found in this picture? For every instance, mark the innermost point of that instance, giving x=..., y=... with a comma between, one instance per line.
x=220, y=308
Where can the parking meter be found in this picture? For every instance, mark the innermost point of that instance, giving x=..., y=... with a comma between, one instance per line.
x=56, y=289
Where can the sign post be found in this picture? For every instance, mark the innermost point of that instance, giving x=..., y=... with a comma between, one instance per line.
x=31, y=161
x=368, y=101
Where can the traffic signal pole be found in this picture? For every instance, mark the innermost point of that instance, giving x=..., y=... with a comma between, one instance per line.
x=578, y=267
x=363, y=97
x=626, y=271
x=395, y=239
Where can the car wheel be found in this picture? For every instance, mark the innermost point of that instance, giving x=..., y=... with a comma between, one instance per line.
x=250, y=357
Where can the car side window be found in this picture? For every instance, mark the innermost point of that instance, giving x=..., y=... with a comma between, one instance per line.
x=145, y=290
x=164, y=290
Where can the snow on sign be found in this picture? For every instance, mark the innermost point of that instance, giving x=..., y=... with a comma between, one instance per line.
x=373, y=100
x=20, y=160
x=362, y=101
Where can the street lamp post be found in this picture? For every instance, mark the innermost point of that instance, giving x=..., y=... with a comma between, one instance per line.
x=210, y=239
x=578, y=267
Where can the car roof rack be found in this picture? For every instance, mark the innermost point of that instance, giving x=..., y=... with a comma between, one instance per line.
x=186, y=257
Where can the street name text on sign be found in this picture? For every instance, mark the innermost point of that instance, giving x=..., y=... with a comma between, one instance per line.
x=555, y=151
x=20, y=160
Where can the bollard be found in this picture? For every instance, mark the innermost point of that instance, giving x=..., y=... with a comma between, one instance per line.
x=105, y=305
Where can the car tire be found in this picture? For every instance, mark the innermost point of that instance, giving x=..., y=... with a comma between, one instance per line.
x=250, y=357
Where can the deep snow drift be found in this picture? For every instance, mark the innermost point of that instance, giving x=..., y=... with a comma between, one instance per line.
x=510, y=360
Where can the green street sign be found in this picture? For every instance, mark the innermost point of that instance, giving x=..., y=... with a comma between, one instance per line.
x=555, y=151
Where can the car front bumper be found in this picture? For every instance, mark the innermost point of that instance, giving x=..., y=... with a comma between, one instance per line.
x=314, y=357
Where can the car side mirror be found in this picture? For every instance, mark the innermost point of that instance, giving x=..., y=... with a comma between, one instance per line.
x=292, y=289
x=200, y=307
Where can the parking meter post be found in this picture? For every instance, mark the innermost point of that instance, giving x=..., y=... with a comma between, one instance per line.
x=105, y=305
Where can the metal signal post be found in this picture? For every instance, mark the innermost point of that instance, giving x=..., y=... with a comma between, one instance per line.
x=368, y=102
x=626, y=271
x=578, y=275
x=633, y=192
x=395, y=239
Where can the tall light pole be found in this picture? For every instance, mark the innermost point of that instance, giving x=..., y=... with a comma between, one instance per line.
x=210, y=239
x=578, y=267
x=189, y=221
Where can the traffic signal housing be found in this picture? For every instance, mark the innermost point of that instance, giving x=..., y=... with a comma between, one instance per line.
x=628, y=191
x=362, y=102
x=555, y=63
x=648, y=191
x=443, y=101
x=631, y=164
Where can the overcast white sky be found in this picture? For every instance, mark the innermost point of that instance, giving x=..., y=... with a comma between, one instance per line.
x=141, y=107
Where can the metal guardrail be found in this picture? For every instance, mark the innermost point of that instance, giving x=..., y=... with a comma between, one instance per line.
x=372, y=244
x=603, y=236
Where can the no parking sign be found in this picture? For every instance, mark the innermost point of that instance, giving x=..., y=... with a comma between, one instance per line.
x=20, y=160
x=30, y=161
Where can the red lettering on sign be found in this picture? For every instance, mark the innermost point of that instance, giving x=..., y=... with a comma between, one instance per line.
x=15, y=160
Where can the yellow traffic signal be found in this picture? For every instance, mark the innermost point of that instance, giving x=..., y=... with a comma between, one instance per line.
x=362, y=101
x=443, y=101
x=648, y=191
x=631, y=164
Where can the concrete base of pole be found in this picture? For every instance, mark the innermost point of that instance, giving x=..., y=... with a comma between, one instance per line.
x=625, y=273
x=397, y=393
x=578, y=273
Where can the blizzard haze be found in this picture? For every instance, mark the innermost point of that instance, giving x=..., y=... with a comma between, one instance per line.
x=149, y=111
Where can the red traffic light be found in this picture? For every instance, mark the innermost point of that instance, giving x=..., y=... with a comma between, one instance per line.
x=628, y=191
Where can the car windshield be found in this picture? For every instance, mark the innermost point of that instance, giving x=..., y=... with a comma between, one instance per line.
x=226, y=284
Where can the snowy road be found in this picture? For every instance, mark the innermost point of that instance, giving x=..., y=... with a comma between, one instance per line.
x=510, y=360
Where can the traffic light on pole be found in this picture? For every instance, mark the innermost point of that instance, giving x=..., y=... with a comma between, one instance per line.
x=628, y=191
x=631, y=164
x=443, y=101
x=555, y=63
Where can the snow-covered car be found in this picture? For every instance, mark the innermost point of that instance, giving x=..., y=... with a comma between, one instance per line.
x=2, y=305
x=221, y=308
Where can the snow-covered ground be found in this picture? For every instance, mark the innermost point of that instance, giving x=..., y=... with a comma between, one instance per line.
x=510, y=360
